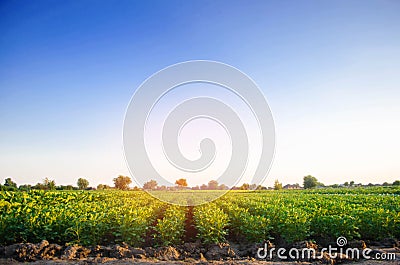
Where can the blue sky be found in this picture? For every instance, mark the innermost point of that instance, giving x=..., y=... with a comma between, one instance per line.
x=330, y=71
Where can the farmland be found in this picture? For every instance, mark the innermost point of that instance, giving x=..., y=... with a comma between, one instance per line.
x=136, y=218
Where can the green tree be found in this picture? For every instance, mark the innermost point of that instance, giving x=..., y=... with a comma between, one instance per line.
x=309, y=182
x=82, y=183
x=122, y=182
x=25, y=187
x=320, y=184
x=396, y=183
x=39, y=186
x=277, y=185
x=49, y=184
x=67, y=187
x=8, y=182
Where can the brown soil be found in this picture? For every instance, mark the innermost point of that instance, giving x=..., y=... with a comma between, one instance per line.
x=150, y=262
x=188, y=253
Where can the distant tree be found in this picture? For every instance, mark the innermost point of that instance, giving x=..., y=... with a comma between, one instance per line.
x=39, y=186
x=163, y=187
x=67, y=187
x=335, y=186
x=7, y=188
x=396, y=183
x=196, y=187
x=122, y=182
x=52, y=185
x=351, y=183
x=25, y=187
x=8, y=182
x=213, y=185
x=223, y=187
x=9, y=185
x=277, y=185
x=346, y=184
x=49, y=184
x=385, y=184
x=150, y=185
x=82, y=183
x=103, y=187
x=320, y=184
x=181, y=183
x=245, y=186
x=309, y=182
x=136, y=188
x=203, y=187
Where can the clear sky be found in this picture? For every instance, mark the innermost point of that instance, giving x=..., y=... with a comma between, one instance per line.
x=329, y=69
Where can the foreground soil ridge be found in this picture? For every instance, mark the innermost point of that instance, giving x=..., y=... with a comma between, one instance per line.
x=188, y=252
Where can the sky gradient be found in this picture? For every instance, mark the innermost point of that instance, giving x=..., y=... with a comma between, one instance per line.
x=329, y=70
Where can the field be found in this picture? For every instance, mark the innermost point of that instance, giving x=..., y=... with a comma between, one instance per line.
x=90, y=218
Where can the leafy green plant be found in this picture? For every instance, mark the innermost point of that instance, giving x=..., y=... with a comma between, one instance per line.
x=171, y=228
x=211, y=223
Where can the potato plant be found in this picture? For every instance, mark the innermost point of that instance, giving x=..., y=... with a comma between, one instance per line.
x=134, y=217
x=171, y=228
x=211, y=223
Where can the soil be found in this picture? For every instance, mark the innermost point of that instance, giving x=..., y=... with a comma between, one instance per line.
x=188, y=253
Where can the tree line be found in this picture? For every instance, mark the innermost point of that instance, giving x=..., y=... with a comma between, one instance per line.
x=120, y=182
x=123, y=182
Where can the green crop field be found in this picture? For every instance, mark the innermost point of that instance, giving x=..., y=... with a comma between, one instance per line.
x=135, y=217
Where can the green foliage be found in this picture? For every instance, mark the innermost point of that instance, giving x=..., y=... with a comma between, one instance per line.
x=333, y=226
x=211, y=223
x=255, y=228
x=366, y=213
x=310, y=182
x=82, y=183
x=171, y=228
x=277, y=185
x=112, y=216
x=83, y=217
x=8, y=182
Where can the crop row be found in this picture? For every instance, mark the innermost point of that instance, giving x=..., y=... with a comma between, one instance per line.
x=300, y=216
x=107, y=217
